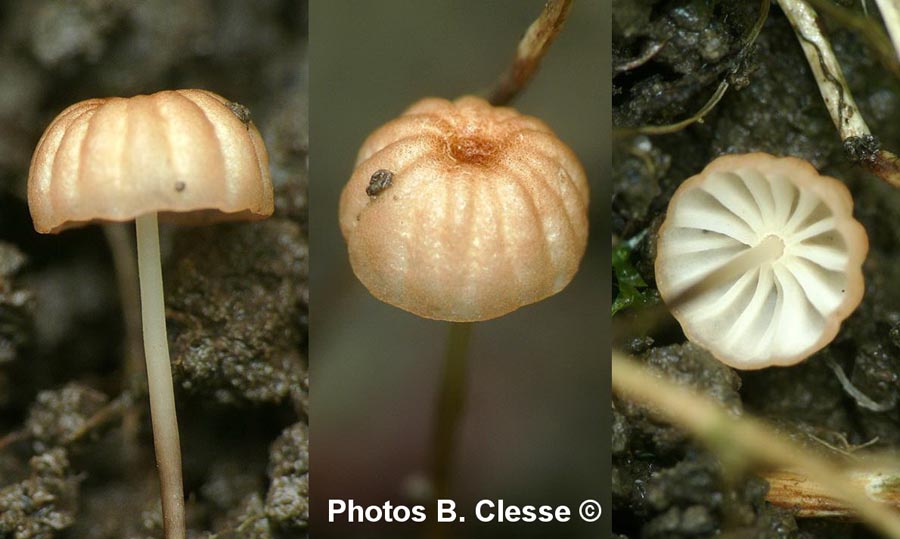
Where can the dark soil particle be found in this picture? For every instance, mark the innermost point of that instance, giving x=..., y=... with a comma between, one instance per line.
x=248, y=521
x=43, y=504
x=660, y=478
x=687, y=364
x=663, y=484
x=16, y=307
x=56, y=415
x=287, y=503
x=807, y=393
x=698, y=44
x=379, y=181
x=234, y=301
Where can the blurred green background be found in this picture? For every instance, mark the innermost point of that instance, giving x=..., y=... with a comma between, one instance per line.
x=536, y=424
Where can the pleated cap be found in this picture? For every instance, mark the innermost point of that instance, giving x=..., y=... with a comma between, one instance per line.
x=458, y=210
x=190, y=155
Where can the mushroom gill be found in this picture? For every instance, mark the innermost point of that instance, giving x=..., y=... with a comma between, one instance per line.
x=760, y=259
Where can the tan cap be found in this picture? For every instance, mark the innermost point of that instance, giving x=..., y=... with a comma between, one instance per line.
x=463, y=211
x=772, y=255
x=171, y=152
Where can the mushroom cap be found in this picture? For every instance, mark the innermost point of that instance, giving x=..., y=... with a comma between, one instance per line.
x=783, y=309
x=186, y=154
x=463, y=211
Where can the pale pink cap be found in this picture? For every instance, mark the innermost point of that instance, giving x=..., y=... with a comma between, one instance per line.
x=189, y=155
x=486, y=211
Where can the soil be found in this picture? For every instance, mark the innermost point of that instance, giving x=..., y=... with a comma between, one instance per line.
x=76, y=452
x=670, y=56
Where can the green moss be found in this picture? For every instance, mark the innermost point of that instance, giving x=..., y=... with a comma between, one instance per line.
x=632, y=290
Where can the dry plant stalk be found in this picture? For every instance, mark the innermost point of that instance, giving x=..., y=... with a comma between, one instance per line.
x=678, y=126
x=807, y=498
x=866, y=28
x=890, y=12
x=531, y=49
x=744, y=441
x=854, y=131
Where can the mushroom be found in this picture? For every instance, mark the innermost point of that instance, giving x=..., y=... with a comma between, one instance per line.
x=760, y=260
x=187, y=155
x=462, y=211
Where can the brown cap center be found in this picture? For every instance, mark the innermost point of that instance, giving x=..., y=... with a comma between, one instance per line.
x=474, y=150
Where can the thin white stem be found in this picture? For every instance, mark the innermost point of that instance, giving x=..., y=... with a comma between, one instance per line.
x=159, y=378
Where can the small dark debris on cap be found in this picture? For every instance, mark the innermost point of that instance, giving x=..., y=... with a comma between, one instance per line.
x=242, y=112
x=380, y=181
x=179, y=186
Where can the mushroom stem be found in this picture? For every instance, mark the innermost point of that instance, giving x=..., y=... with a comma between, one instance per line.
x=449, y=407
x=531, y=50
x=159, y=377
x=767, y=250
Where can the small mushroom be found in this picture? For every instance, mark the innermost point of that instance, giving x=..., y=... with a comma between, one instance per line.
x=182, y=155
x=463, y=211
x=760, y=259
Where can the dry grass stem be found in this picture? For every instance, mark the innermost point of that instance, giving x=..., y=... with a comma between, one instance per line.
x=851, y=125
x=677, y=126
x=890, y=12
x=866, y=28
x=807, y=498
x=121, y=406
x=745, y=441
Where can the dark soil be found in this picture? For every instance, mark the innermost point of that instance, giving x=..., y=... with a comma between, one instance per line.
x=670, y=57
x=76, y=453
